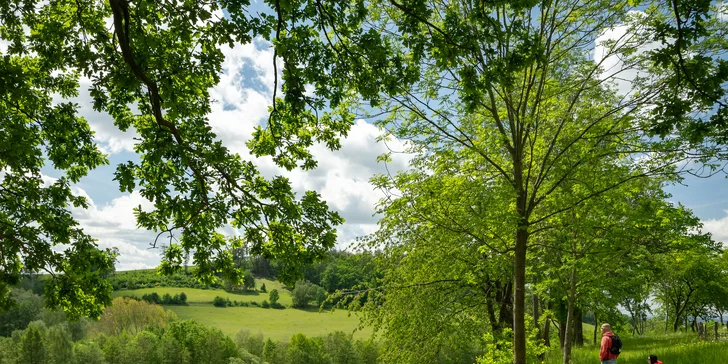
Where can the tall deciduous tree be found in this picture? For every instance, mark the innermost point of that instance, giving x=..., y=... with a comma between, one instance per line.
x=161, y=58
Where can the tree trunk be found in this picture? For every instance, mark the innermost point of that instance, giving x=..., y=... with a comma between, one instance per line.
x=491, y=314
x=568, y=336
x=547, y=327
x=519, y=281
x=596, y=323
x=536, y=315
x=562, y=332
x=505, y=314
x=578, y=327
x=678, y=319
x=715, y=326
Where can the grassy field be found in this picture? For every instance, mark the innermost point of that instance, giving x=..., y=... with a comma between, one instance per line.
x=276, y=324
x=670, y=349
x=195, y=296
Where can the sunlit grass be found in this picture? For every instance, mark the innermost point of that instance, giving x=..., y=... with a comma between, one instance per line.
x=670, y=348
x=276, y=324
x=196, y=295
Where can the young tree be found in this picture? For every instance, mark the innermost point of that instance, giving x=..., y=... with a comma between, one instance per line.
x=132, y=316
x=59, y=344
x=32, y=346
x=510, y=89
x=273, y=296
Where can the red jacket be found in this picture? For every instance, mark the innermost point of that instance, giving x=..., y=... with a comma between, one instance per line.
x=604, y=353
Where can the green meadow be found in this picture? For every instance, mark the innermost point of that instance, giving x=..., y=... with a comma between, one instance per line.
x=669, y=348
x=275, y=324
x=199, y=296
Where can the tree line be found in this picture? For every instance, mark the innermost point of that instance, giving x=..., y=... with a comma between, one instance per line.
x=132, y=331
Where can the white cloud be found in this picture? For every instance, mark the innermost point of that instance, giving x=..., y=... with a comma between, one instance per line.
x=114, y=225
x=718, y=228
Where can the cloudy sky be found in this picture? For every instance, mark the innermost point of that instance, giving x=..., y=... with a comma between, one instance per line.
x=243, y=96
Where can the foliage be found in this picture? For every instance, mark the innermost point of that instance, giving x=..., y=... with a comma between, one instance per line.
x=273, y=296
x=27, y=307
x=32, y=345
x=271, y=352
x=166, y=299
x=132, y=316
x=262, y=288
x=304, y=292
x=219, y=302
x=303, y=350
x=253, y=344
x=265, y=304
x=150, y=278
x=195, y=183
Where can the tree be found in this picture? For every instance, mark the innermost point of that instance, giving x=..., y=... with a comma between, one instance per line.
x=195, y=183
x=303, y=350
x=85, y=352
x=59, y=344
x=204, y=344
x=262, y=288
x=132, y=316
x=340, y=349
x=32, y=346
x=143, y=349
x=304, y=292
x=26, y=309
x=511, y=95
x=271, y=352
x=248, y=281
x=273, y=296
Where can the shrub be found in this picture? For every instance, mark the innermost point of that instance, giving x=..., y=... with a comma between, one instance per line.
x=182, y=298
x=248, y=281
x=277, y=305
x=219, y=302
x=254, y=303
x=167, y=299
x=305, y=292
x=273, y=296
x=262, y=287
x=265, y=304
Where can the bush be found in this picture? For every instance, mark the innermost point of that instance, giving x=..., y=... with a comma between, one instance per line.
x=305, y=292
x=254, y=303
x=265, y=304
x=262, y=287
x=248, y=281
x=277, y=305
x=273, y=296
x=219, y=302
x=167, y=299
x=182, y=298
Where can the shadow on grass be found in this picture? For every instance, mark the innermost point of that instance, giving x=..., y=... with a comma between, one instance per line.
x=244, y=293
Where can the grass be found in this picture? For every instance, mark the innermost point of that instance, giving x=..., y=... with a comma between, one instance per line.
x=670, y=349
x=275, y=324
x=198, y=296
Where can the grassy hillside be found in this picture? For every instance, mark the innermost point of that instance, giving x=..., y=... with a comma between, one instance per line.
x=276, y=324
x=197, y=296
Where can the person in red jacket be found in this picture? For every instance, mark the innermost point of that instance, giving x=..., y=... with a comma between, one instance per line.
x=653, y=360
x=604, y=354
